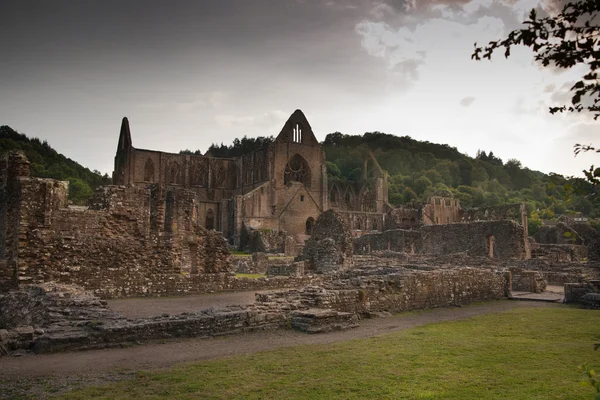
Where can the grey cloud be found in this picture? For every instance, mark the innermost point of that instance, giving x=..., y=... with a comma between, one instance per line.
x=467, y=101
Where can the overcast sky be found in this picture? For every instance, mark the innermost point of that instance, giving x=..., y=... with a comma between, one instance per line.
x=191, y=73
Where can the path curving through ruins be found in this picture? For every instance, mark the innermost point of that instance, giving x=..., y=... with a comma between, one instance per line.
x=62, y=371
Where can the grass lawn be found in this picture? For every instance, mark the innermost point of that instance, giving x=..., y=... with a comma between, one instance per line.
x=521, y=354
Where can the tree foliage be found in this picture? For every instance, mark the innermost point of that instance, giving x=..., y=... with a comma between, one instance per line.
x=419, y=169
x=239, y=146
x=47, y=163
x=566, y=40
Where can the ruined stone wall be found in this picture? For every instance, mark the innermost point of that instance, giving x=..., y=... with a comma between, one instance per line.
x=330, y=248
x=591, y=237
x=441, y=210
x=527, y=281
x=404, y=217
x=363, y=221
x=401, y=291
x=558, y=234
x=132, y=241
x=498, y=239
x=560, y=252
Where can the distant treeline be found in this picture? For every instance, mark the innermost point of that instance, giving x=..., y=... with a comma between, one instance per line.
x=48, y=163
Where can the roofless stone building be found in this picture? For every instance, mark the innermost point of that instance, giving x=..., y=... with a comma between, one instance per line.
x=282, y=187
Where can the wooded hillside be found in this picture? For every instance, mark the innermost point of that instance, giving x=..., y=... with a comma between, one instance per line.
x=48, y=163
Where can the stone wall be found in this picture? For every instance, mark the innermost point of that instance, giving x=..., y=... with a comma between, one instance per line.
x=494, y=239
x=527, y=281
x=56, y=317
x=591, y=237
x=330, y=247
x=559, y=252
x=295, y=269
x=401, y=291
x=557, y=234
x=132, y=241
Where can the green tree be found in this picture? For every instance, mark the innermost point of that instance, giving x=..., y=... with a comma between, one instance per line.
x=567, y=40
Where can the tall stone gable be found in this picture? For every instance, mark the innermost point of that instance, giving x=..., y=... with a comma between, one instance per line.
x=280, y=187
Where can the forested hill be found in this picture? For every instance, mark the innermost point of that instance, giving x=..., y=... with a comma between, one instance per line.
x=48, y=163
x=417, y=169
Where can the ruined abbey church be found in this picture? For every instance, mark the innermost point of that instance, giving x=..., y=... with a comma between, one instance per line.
x=282, y=187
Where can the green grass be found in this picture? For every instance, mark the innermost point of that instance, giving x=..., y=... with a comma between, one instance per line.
x=249, y=276
x=529, y=353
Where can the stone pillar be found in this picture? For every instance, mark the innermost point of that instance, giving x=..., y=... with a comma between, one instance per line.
x=237, y=219
x=18, y=165
x=525, y=225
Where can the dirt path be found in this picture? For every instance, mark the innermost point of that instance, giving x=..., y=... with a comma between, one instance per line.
x=154, y=355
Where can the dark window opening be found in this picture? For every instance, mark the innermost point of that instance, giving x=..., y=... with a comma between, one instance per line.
x=210, y=219
x=310, y=222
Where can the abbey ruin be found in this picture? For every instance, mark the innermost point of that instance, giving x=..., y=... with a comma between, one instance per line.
x=168, y=225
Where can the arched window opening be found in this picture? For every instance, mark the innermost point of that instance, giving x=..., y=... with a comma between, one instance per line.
x=149, y=171
x=297, y=170
x=210, y=219
x=368, y=201
x=310, y=223
x=174, y=173
x=348, y=198
x=297, y=134
x=332, y=196
x=375, y=226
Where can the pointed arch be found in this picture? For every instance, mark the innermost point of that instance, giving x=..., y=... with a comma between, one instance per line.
x=368, y=199
x=349, y=197
x=334, y=195
x=174, y=173
x=149, y=171
x=297, y=170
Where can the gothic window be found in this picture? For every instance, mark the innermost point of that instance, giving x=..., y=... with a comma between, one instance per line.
x=199, y=173
x=210, y=219
x=368, y=202
x=149, y=171
x=297, y=170
x=297, y=134
x=174, y=173
x=332, y=196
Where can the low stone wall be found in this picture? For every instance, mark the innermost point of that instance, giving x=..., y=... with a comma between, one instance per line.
x=560, y=252
x=398, y=292
x=585, y=293
x=527, y=281
x=56, y=317
x=65, y=317
x=295, y=269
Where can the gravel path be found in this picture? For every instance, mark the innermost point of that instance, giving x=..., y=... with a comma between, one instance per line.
x=34, y=376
